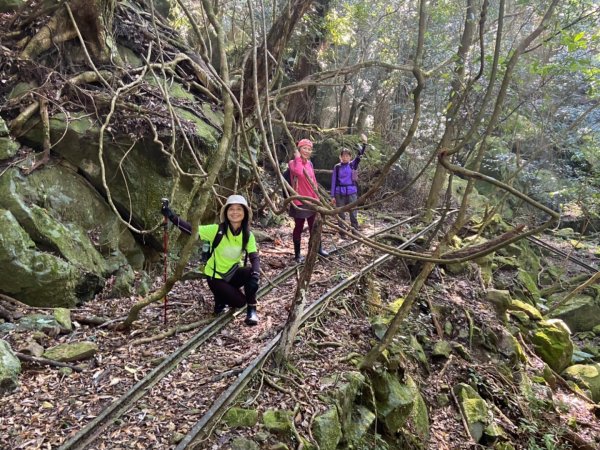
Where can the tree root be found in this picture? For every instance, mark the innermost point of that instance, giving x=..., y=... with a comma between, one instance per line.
x=47, y=362
x=43, y=105
x=171, y=332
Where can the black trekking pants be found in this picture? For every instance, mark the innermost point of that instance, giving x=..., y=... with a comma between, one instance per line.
x=229, y=293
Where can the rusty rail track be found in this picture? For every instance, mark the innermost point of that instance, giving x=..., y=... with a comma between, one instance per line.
x=227, y=396
x=121, y=405
x=559, y=252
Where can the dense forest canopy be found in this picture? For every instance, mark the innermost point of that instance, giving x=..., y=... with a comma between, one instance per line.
x=482, y=112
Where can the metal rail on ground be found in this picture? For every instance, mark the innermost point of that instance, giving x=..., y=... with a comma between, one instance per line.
x=238, y=385
x=122, y=404
x=571, y=258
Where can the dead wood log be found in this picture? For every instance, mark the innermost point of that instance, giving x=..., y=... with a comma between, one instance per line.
x=46, y=362
x=466, y=252
x=171, y=332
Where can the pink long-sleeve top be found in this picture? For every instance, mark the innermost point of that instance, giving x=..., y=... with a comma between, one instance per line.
x=301, y=171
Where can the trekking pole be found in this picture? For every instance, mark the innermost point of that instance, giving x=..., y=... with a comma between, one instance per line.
x=165, y=204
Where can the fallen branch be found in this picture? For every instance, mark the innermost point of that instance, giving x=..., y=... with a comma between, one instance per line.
x=563, y=285
x=574, y=292
x=171, y=332
x=47, y=362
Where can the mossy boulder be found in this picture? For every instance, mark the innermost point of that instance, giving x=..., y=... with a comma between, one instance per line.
x=477, y=202
x=531, y=311
x=40, y=322
x=241, y=443
x=8, y=148
x=581, y=313
x=39, y=278
x=362, y=419
x=327, y=429
x=394, y=400
x=442, y=348
x=68, y=200
x=63, y=318
x=474, y=408
x=418, y=420
x=587, y=376
x=240, y=417
x=10, y=368
x=278, y=421
x=552, y=342
x=69, y=352
x=348, y=388
x=510, y=347
x=529, y=283
x=500, y=300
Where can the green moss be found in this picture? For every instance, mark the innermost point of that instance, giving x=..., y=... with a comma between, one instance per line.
x=278, y=421
x=327, y=429
x=71, y=351
x=240, y=417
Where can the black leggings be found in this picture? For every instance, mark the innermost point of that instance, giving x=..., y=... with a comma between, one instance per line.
x=228, y=293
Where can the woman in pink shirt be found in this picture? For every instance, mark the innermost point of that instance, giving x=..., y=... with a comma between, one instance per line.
x=305, y=184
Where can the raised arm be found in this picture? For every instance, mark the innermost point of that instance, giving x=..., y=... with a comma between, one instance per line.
x=184, y=226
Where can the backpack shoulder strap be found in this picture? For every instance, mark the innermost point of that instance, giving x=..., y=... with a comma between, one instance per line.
x=214, y=244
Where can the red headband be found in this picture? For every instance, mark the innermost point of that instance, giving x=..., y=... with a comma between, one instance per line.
x=305, y=143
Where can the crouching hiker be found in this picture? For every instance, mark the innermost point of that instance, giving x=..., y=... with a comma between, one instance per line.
x=344, y=187
x=229, y=240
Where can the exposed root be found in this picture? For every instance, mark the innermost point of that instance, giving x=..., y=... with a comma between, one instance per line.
x=171, y=332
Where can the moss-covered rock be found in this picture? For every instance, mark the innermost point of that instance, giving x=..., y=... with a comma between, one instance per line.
x=500, y=300
x=40, y=322
x=347, y=390
x=529, y=283
x=531, y=311
x=241, y=443
x=69, y=352
x=474, y=409
x=552, y=342
x=63, y=318
x=442, y=348
x=587, y=376
x=8, y=148
x=70, y=201
x=510, y=347
x=394, y=400
x=581, y=313
x=10, y=368
x=240, y=417
x=418, y=420
x=362, y=419
x=327, y=429
x=39, y=278
x=278, y=421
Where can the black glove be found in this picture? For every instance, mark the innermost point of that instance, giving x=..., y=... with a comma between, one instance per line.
x=167, y=212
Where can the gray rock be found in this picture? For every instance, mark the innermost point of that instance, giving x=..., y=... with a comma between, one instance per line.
x=70, y=352
x=10, y=368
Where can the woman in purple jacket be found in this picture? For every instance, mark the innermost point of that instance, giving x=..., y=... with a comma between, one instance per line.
x=344, y=189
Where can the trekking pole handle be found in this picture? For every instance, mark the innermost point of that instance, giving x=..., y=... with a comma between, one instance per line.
x=165, y=202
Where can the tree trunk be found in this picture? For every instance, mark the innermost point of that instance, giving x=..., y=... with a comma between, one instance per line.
x=90, y=21
x=455, y=101
x=297, y=309
x=277, y=39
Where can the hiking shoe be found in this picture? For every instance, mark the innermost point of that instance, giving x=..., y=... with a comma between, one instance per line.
x=219, y=309
x=251, y=316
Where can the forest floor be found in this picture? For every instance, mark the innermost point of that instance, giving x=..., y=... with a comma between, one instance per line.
x=50, y=405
